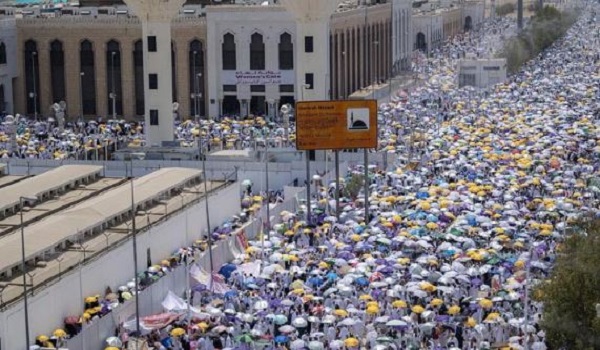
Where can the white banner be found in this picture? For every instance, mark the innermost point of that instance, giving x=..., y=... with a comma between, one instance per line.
x=258, y=77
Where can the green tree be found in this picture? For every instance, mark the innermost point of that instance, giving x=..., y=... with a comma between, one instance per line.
x=353, y=186
x=505, y=9
x=570, y=296
x=546, y=26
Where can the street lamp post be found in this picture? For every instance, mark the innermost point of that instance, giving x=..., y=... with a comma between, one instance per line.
x=33, y=55
x=344, y=83
x=24, y=267
x=198, y=95
x=113, y=95
x=81, y=75
x=195, y=95
x=135, y=260
x=210, y=254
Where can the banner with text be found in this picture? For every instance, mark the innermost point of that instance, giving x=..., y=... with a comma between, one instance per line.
x=258, y=77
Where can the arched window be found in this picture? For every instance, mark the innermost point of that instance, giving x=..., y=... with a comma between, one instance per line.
x=88, y=77
x=286, y=52
x=228, y=52
x=57, y=71
x=32, y=76
x=257, y=52
x=2, y=53
x=113, y=78
x=138, y=76
x=196, y=79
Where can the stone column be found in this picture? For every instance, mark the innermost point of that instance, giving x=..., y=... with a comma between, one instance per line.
x=101, y=83
x=44, y=85
x=156, y=20
x=182, y=67
x=127, y=79
x=72, y=70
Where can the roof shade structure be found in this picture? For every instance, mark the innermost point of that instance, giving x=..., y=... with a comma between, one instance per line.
x=45, y=185
x=93, y=215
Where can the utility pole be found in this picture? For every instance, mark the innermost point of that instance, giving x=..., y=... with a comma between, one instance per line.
x=520, y=14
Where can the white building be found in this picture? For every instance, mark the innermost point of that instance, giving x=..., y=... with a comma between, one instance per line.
x=473, y=14
x=251, y=52
x=428, y=30
x=481, y=72
x=8, y=59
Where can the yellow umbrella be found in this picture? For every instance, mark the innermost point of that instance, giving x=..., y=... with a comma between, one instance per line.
x=298, y=291
x=471, y=322
x=404, y=261
x=454, y=310
x=59, y=333
x=437, y=302
x=297, y=284
x=111, y=348
x=42, y=338
x=399, y=304
x=418, y=309
x=432, y=225
x=323, y=265
x=351, y=342
x=493, y=316
x=486, y=303
x=365, y=297
x=426, y=286
x=341, y=313
x=202, y=325
x=177, y=332
x=372, y=310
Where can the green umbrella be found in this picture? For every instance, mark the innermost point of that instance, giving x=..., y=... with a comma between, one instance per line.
x=245, y=338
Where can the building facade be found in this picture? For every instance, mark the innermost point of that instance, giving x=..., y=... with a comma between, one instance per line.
x=92, y=57
x=251, y=52
x=481, y=72
x=8, y=62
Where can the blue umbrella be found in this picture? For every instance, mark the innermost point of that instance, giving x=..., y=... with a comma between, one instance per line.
x=315, y=281
x=332, y=276
x=227, y=269
x=231, y=294
x=361, y=281
x=281, y=339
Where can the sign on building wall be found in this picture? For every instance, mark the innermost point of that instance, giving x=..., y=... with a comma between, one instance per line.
x=336, y=124
x=258, y=77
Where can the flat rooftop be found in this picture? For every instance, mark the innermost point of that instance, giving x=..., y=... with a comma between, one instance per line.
x=106, y=205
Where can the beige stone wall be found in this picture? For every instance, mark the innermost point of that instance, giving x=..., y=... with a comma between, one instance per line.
x=355, y=62
x=72, y=30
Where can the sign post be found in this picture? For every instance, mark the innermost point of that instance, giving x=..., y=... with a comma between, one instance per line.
x=337, y=125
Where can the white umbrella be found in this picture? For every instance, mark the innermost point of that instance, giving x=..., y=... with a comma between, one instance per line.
x=328, y=319
x=348, y=322
x=297, y=344
x=382, y=319
x=287, y=329
x=114, y=341
x=396, y=323
x=261, y=305
x=336, y=344
x=316, y=345
x=299, y=322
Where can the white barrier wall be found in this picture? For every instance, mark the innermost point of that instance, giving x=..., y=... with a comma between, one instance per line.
x=48, y=307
